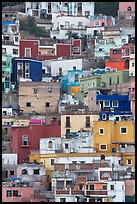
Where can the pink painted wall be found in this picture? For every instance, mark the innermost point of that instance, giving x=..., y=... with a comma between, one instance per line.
x=26, y=194
x=105, y=21
x=124, y=5
x=129, y=187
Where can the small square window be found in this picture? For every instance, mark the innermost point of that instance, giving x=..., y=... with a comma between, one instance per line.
x=15, y=51
x=52, y=162
x=63, y=200
x=36, y=171
x=123, y=146
x=66, y=145
x=129, y=161
x=11, y=173
x=114, y=103
x=91, y=187
x=15, y=193
x=112, y=187
x=101, y=131
x=8, y=193
x=104, y=187
x=47, y=104
x=106, y=103
x=123, y=130
x=28, y=104
x=103, y=147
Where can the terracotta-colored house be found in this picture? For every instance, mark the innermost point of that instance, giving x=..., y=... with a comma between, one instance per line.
x=24, y=139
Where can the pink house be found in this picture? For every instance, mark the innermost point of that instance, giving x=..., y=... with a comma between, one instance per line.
x=102, y=21
x=126, y=10
x=20, y=194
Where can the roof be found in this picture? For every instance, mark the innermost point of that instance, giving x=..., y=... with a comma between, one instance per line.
x=7, y=23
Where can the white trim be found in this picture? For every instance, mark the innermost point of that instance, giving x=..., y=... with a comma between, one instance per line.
x=105, y=116
x=126, y=130
x=128, y=163
x=102, y=149
x=101, y=133
x=117, y=104
x=29, y=50
x=104, y=104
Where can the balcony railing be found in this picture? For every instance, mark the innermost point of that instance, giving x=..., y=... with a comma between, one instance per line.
x=96, y=192
x=7, y=42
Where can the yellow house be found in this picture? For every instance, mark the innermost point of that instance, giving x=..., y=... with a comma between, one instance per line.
x=75, y=122
x=109, y=135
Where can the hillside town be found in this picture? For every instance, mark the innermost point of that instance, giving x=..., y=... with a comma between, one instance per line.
x=68, y=103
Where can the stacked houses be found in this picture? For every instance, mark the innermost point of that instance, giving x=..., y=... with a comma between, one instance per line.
x=68, y=108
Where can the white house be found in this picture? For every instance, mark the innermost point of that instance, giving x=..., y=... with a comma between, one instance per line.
x=64, y=23
x=9, y=158
x=71, y=8
x=49, y=145
x=132, y=65
x=7, y=111
x=65, y=64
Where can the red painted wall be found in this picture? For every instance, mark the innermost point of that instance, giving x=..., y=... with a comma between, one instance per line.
x=34, y=132
x=77, y=43
x=63, y=50
x=120, y=65
x=33, y=44
x=115, y=56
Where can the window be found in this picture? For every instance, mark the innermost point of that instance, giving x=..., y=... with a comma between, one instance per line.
x=87, y=13
x=87, y=121
x=67, y=121
x=106, y=103
x=76, y=49
x=76, y=77
x=66, y=145
x=47, y=104
x=25, y=140
x=114, y=103
x=7, y=85
x=50, y=144
x=52, y=162
x=27, y=68
x=3, y=50
x=63, y=200
x=16, y=39
x=4, y=63
x=8, y=193
x=118, y=79
x=123, y=130
x=15, y=193
x=101, y=131
x=67, y=131
x=97, y=23
x=133, y=64
x=15, y=51
x=28, y=52
x=28, y=104
x=24, y=171
x=50, y=90
x=80, y=187
x=110, y=81
x=36, y=171
x=79, y=25
x=128, y=8
x=93, y=84
x=111, y=187
x=105, y=175
x=74, y=162
x=66, y=24
x=91, y=187
x=123, y=146
x=11, y=173
x=103, y=147
x=60, y=71
x=74, y=68
x=104, y=116
x=129, y=161
x=104, y=187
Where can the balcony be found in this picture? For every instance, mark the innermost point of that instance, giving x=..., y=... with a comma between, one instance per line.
x=96, y=192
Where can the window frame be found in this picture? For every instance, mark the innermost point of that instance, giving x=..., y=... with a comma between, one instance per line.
x=105, y=105
x=52, y=162
x=101, y=148
x=113, y=104
x=111, y=187
x=126, y=130
x=27, y=140
x=10, y=192
x=28, y=105
x=27, y=48
x=103, y=131
x=128, y=162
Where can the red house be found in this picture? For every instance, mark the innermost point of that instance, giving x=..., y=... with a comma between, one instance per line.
x=30, y=49
x=26, y=138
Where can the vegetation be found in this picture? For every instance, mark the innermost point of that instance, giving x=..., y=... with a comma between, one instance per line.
x=107, y=8
x=11, y=3
x=70, y=34
x=30, y=26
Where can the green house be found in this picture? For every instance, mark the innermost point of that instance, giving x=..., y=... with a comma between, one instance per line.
x=6, y=73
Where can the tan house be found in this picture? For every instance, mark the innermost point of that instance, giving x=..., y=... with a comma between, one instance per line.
x=39, y=97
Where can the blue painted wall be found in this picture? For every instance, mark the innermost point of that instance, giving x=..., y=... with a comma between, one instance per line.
x=35, y=69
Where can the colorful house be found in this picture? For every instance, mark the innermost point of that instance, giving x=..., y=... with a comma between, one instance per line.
x=102, y=21
x=6, y=73
x=27, y=69
x=116, y=105
x=126, y=10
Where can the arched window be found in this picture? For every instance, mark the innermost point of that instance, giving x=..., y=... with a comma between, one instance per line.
x=103, y=24
x=24, y=171
x=50, y=144
x=129, y=8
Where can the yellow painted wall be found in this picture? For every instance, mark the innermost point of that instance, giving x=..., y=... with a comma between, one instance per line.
x=16, y=121
x=112, y=134
x=77, y=122
x=125, y=156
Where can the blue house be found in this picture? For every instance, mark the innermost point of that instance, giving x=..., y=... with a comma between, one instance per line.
x=26, y=68
x=71, y=80
x=113, y=105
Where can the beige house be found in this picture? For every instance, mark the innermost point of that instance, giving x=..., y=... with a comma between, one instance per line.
x=75, y=122
x=39, y=97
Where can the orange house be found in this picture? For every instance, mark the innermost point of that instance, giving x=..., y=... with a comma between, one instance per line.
x=119, y=65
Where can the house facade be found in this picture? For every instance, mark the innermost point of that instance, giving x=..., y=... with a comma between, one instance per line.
x=6, y=73
x=126, y=10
